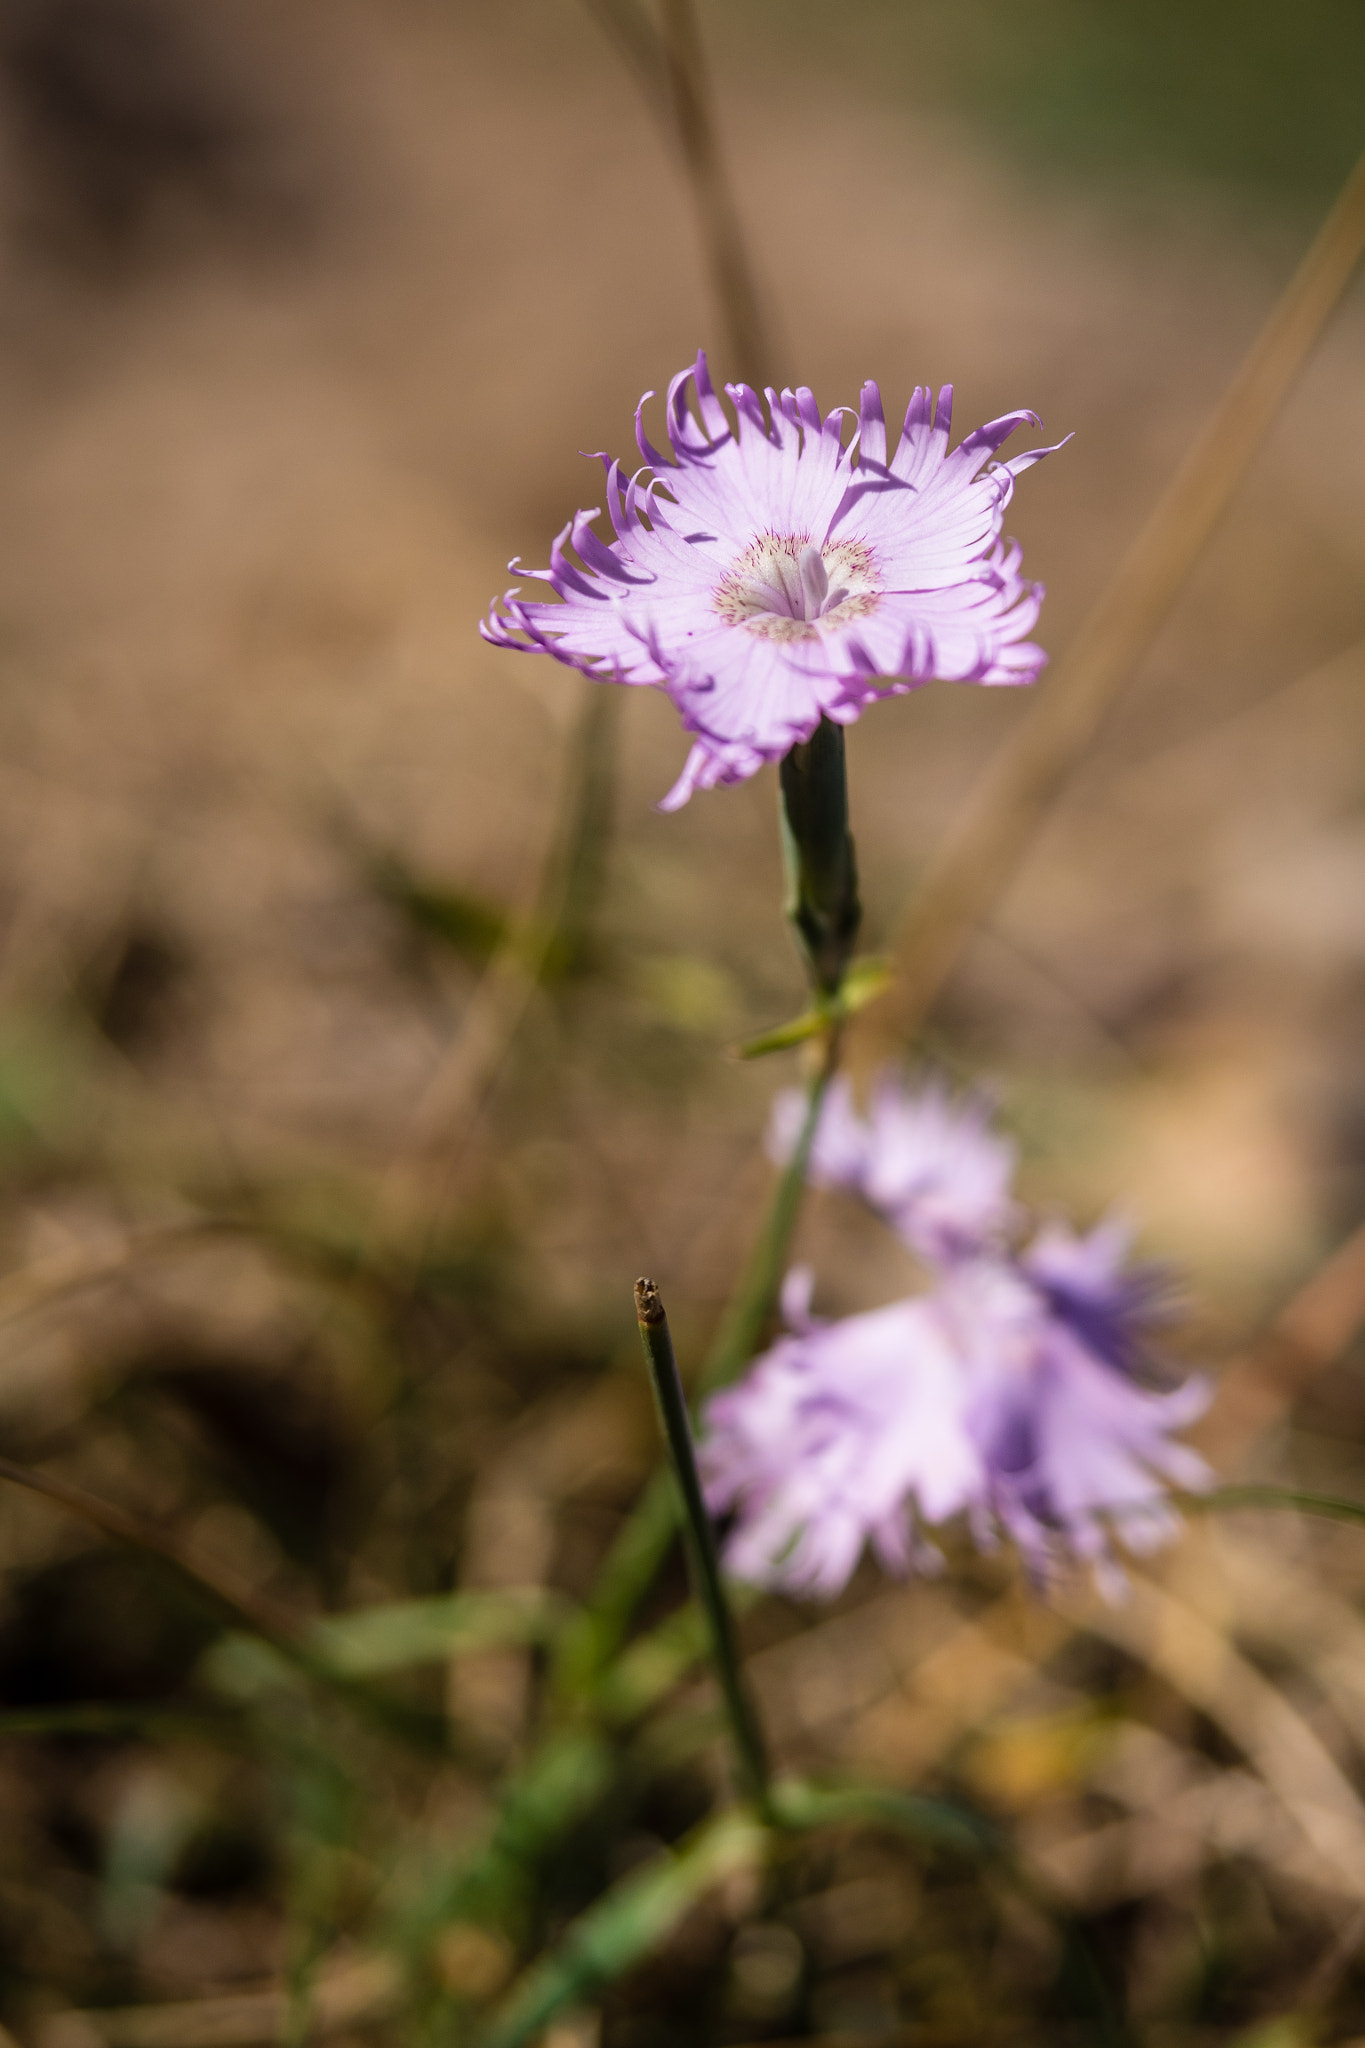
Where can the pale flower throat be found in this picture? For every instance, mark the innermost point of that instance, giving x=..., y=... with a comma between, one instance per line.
x=785, y=588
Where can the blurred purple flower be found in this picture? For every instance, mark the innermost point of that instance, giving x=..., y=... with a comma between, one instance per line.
x=834, y=1433
x=767, y=575
x=983, y=1395
x=1085, y=1284
x=932, y=1166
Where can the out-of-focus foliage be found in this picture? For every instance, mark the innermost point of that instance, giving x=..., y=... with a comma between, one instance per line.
x=1252, y=94
x=323, y=1178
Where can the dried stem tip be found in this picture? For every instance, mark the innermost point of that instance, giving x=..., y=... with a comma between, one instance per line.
x=649, y=1306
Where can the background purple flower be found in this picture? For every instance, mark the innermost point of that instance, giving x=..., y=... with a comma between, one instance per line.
x=930, y=1165
x=829, y=1438
x=1014, y=1389
x=767, y=576
x=1074, y=1446
x=1113, y=1307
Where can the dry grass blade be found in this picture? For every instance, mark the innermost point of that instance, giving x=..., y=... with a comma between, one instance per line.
x=1184, y=1812
x=718, y=217
x=636, y=38
x=351, y=1993
x=277, y=1624
x=1312, y=1330
x=1331, y=1968
x=980, y=857
x=1206, y=1668
x=1287, y=696
x=893, y=1685
x=548, y=925
x=1273, y=1603
x=669, y=66
x=31, y=1287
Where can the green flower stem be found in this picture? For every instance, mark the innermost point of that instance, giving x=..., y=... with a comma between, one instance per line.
x=823, y=905
x=701, y=1544
x=817, y=847
x=753, y=1301
x=634, y=1560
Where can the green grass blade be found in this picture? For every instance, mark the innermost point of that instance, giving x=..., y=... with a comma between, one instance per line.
x=406, y=1632
x=625, y=1925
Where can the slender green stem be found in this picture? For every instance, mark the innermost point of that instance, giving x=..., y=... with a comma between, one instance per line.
x=634, y=1560
x=701, y=1543
x=817, y=845
x=1330, y=1505
x=753, y=1301
x=572, y=893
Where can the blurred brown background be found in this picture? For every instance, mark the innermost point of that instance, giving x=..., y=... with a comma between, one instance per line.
x=306, y=312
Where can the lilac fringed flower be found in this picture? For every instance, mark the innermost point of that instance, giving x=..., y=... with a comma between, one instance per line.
x=1073, y=1446
x=767, y=576
x=1012, y=1391
x=931, y=1166
x=835, y=1435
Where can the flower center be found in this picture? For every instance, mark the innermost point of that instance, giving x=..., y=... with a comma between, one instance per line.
x=785, y=588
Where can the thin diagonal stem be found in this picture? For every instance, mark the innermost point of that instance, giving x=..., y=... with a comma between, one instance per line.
x=1332, y=1505
x=982, y=856
x=701, y=1544
x=668, y=64
x=755, y=1298
x=640, y=46
x=230, y=1597
x=722, y=236
x=222, y=1588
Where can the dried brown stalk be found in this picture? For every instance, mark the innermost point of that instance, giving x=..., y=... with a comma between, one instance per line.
x=1200, y=1660
x=255, y=1610
x=351, y=1992
x=732, y=276
x=669, y=66
x=982, y=855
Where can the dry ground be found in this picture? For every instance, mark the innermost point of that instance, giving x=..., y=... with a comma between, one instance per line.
x=306, y=314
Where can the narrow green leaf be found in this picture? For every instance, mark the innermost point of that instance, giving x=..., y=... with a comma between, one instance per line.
x=406, y=1632
x=100, y=1717
x=864, y=980
x=626, y=1924
x=1333, y=1506
x=652, y=1665
x=454, y=917
x=782, y=1036
x=932, y=1821
x=490, y=1880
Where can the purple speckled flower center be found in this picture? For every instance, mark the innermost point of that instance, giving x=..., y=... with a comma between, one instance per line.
x=783, y=587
